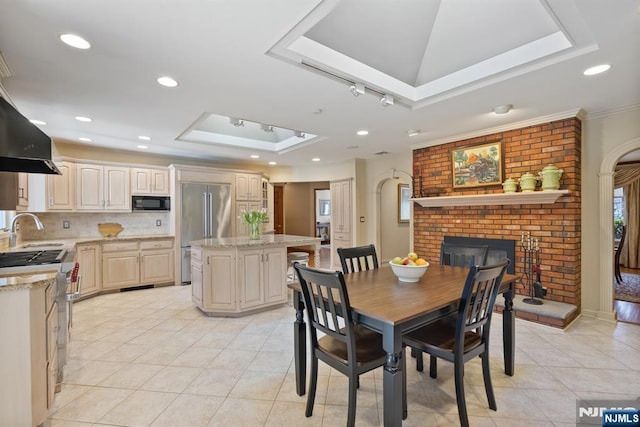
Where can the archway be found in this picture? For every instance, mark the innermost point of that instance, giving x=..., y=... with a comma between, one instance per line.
x=607, y=169
x=386, y=208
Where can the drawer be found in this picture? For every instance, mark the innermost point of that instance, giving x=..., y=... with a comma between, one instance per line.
x=157, y=244
x=50, y=295
x=196, y=255
x=119, y=246
x=343, y=237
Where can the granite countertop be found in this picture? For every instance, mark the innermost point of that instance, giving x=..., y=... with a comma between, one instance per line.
x=265, y=240
x=33, y=245
x=16, y=281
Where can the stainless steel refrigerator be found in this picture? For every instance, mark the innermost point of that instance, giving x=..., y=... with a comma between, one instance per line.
x=206, y=212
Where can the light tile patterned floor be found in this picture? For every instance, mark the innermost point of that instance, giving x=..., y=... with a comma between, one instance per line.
x=149, y=358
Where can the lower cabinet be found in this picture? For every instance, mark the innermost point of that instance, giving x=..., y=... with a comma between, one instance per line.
x=126, y=264
x=88, y=257
x=235, y=281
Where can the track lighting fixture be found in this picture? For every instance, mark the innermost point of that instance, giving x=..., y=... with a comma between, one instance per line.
x=267, y=128
x=386, y=100
x=357, y=89
x=299, y=134
x=236, y=122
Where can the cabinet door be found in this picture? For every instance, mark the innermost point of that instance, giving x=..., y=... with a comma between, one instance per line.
x=341, y=206
x=120, y=269
x=248, y=187
x=89, y=187
x=61, y=188
x=23, y=191
x=160, y=181
x=219, y=280
x=116, y=190
x=275, y=275
x=140, y=181
x=196, y=283
x=156, y=266
x=250, y=278
x=88, y=257
x=255, y=188
x=242, y=228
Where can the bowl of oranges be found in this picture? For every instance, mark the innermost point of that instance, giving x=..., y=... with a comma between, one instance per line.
x=410, y=268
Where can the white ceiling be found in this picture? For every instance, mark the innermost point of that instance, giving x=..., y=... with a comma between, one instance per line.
x=447, y=63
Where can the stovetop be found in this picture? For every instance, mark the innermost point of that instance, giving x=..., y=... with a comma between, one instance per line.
x=31, y=258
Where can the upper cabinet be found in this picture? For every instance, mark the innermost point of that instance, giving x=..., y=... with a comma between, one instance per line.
x=341, y=206
x=249, y=187
x=14, y=191
x=101, y=187
x=149, y=181
x=53, y=192
x=23, y=191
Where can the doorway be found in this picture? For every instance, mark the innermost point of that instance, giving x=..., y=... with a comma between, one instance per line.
x=278, y=209
x=323, y=215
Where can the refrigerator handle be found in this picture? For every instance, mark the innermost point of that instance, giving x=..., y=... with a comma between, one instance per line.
x=205, y=221
x=210, y=216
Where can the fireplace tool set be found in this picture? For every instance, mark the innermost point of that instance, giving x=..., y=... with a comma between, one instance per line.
x=531, y=248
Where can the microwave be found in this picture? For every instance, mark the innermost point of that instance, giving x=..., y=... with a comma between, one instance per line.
x=150, y=203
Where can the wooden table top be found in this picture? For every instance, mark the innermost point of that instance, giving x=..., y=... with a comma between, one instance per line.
x=380, y=295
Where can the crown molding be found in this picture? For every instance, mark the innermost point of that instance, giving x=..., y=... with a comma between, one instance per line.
x=612, y=112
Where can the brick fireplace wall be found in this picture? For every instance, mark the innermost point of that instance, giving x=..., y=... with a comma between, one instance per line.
x=557, y=225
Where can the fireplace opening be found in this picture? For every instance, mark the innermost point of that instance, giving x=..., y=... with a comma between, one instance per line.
x=499, y=249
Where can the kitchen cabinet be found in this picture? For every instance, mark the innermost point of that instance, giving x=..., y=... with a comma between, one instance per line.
x=149, y=181
x=341, y=213
x=14, y=191
x=23, y=191
x=28, y=330
x=242, y=228
x=101, y=187
x=249, y=187
x=127, y=264
x=213, y=279
x=261, y=276
x=53, y=193
x=88, y=257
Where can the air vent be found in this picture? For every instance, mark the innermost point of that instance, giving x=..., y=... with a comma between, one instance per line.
x=381, y=153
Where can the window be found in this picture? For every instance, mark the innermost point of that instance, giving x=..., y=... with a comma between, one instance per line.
x=618, y=212
x=5, y=219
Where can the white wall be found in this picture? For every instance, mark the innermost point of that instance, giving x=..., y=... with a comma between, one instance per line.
x=394, y=237
x=600, y=135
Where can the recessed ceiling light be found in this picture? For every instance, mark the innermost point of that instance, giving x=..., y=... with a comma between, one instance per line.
x=413, y=132
x=363, y=132
x=167, y=81
x=75, y=40
x=143, y=147
x=315, y=159
x=255, y=156
x=503, y=109
x=38, y=122
x=596, y=70
x=82, y=138
x=144, y=138
x=84, y=119
x=272, y=163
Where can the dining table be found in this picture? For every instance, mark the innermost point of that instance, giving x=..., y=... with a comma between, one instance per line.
x=381, y=302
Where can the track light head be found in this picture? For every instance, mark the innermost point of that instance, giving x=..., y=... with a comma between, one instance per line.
x=299, y=134
x=236, y=122
x=386, y=100
x=267, y=128
x=357, y=89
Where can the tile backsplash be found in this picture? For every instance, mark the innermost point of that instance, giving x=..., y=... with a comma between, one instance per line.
x=86, y=225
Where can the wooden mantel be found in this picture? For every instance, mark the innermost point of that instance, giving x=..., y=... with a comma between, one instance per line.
x=523, y=198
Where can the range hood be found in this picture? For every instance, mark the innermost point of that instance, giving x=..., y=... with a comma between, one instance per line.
x=23, y=147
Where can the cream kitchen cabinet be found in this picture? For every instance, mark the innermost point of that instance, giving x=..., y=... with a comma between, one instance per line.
x=149, y=181
x=262, y=275
x=127, y=264
x=23, y=191
x=213, y=279
x=88, y=257
x=53, y=193
x=341, y=213
x=242, y=228
x=14, y=191
x=101, y=187
x=249, y=187
x=28, y=331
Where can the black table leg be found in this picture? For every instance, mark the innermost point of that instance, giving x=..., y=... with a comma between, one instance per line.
x=392, y=377
x=509, y=332
x=300, y=344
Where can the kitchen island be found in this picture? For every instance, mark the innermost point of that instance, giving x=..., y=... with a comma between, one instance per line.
x=237, y=276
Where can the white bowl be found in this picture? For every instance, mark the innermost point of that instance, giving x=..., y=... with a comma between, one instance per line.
x=408, y=273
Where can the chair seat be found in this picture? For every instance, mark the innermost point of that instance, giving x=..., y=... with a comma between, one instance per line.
x=368, y=346
x=441, y=334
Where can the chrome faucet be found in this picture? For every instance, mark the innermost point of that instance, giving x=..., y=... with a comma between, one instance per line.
x=12, y=234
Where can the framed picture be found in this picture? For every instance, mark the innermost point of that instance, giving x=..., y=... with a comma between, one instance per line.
x=477, y=165
x=404, y=206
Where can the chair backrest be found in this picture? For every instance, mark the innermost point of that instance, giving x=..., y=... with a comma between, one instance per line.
x=478, y=298
x=327, y=303
x=623, y=235
x=463, y=255
x=358, y=258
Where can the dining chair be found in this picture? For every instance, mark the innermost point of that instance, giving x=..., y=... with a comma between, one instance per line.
x=353, y=349
x=464, y=335
x=616, y=265
x=463, y=255
x=358, y=258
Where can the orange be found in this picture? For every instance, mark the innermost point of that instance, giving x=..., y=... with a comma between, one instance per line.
x=421, y=261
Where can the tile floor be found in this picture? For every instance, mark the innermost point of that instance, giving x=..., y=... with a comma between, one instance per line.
x=149, y=358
